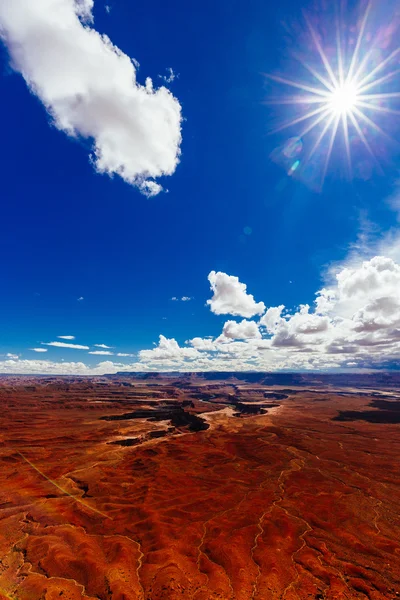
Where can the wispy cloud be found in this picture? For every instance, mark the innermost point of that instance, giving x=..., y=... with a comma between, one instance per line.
x=39, y=349
x=102, y=346
x=65, y=345
x=170, y=76
x=125, y=355
x=80, y=299
x=102, y=352
x=183, y=299
x=66, y=337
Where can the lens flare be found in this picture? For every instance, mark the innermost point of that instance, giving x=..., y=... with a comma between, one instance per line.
x=346, y=94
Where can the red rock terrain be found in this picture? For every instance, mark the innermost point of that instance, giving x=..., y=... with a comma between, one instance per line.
x=165, y=488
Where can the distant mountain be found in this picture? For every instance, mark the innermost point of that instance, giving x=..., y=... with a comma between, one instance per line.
x=359, y=380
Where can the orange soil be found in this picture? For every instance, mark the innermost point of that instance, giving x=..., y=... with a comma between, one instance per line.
x=289, y=505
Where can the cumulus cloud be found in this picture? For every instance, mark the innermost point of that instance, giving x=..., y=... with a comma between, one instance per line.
x=272, y=318
x=231, y=298
x=13, y=356
x=354, y=323
x=89, y=89
x=66, y=337
x=168, y=350
x=65, y=345
x=44, y=367
x=358, y=286
x=241, y=331
x=297, y=329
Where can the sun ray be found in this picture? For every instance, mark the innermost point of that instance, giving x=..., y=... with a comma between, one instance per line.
x=320, y=78
x=322, y=53
x=296, y=100
x=379, y=67
x=372, y=123
x=358, y=43
x=383, y=79
x=364, y=139
x=300, y=86
x=330, y=148
x=382, y=96
x=300, y=119
x=314, y=123
x=345, y=126
x=339, y=53
x=321, y=136
x=378, y=108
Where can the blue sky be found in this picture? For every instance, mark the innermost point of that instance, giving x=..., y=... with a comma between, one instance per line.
x=100, y=258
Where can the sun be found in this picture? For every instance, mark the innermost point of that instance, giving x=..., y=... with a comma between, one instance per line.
x=346, y=94
x=344, y=99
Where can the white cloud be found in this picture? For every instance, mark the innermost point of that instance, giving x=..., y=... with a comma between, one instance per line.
x=89, y=88
x=44, y=367
x=354, y=323
x=294, y=330
x=65, y=345
x=123, y=354
x=203, y=344
x=170, y=76
x=12, y=356
x=66, y=337
x=231, y=298
x=102, y=352
x=168, y=349
x=241, y=331
x=272, y=318
x=183, y=299
x=80, y=299
x=372, y=280
x=38, y=350
x=102, y=346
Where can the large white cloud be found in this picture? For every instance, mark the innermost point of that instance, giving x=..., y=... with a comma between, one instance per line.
x=241, y=331
x=89, y=89
x=359, y=286
x=231, y=298
x=168, y=350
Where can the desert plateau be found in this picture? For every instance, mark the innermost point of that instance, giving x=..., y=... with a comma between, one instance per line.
x=200, y=487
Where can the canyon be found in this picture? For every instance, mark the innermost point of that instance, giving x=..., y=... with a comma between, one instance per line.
x=200, y=486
